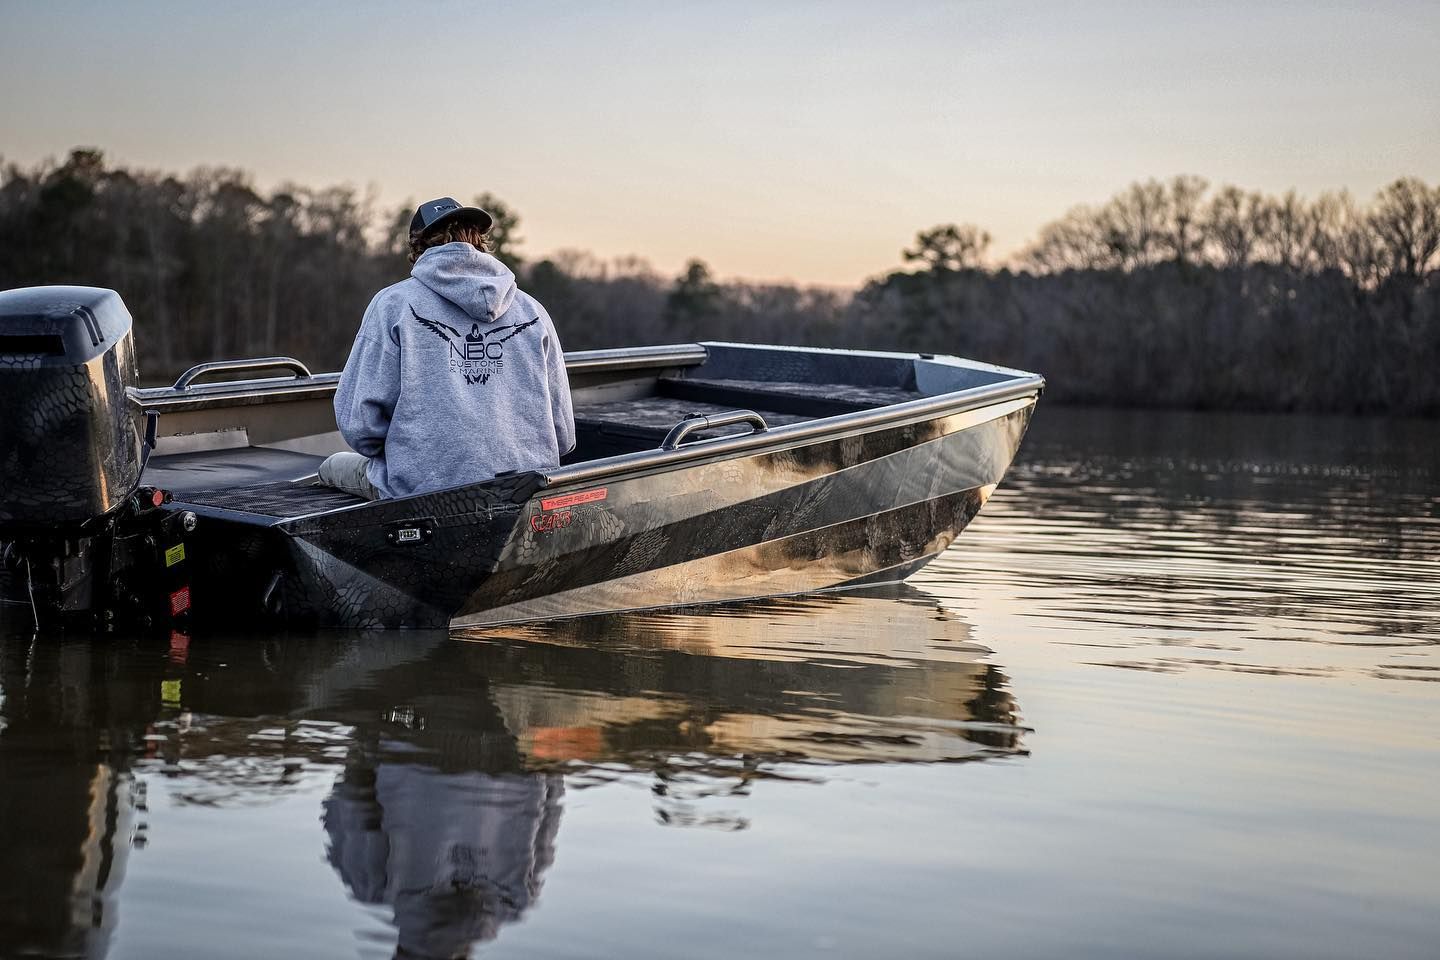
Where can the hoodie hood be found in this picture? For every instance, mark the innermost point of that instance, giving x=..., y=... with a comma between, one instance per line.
x=474, y=281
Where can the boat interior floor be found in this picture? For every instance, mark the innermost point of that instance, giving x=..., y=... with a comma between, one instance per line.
x=269, y=482
x=625, y=426
x=184, y=473
x=809, y=400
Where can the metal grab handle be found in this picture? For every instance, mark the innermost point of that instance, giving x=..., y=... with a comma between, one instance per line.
x=302, y=372
x=696, y=421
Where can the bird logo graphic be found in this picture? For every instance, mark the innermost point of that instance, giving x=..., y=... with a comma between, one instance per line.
x=478, y=354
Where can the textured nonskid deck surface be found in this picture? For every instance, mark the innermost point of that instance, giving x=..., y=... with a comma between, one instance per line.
x=259, y=480
x=656, y=415
x=817, y=399
x=281, y=500
x=182, y=473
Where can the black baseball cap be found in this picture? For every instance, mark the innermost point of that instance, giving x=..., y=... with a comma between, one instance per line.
x=446, y=209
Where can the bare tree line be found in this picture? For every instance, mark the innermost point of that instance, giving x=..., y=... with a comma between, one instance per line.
x=208, y=266
x=1396, y=237
x=1173, y=294
x=1168, y=294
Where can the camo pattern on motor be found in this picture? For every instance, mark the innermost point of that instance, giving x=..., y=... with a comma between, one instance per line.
x=72, y=448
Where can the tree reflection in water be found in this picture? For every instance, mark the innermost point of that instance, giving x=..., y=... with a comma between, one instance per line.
x=455, y=752
x=69, y=810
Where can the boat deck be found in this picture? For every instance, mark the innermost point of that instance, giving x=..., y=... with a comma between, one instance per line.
x=625, y=426
x=264, y=481
x=278, y=500
x=645, y=422
x=185, y=473
x=808, y=399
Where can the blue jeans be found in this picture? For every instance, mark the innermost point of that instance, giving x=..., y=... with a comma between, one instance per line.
x=346, y=471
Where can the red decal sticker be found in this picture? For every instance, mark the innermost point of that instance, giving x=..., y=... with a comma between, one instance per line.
x=547, y=522
x=179, y=601
x=573, y=499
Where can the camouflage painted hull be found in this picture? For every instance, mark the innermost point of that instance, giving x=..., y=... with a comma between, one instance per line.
x=779, y=518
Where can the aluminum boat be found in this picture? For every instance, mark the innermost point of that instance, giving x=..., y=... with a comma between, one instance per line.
x=704, y=472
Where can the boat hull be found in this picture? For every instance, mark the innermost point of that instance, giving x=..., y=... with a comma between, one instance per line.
x=869, y=505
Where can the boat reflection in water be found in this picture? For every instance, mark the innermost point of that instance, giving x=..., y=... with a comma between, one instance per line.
x=842, y=679
x=453, y=752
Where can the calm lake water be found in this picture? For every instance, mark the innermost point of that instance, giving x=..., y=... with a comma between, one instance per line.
x=1176, y=693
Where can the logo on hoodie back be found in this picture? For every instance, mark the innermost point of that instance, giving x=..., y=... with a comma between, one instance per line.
x=479, y=354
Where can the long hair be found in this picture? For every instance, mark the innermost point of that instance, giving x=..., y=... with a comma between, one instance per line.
x=449, y=233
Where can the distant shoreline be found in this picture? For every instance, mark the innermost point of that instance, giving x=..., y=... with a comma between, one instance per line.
x=1169, y=296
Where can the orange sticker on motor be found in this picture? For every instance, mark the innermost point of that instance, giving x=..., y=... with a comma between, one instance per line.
x=574, y=499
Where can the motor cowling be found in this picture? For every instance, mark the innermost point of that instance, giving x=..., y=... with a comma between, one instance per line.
x=70, y=439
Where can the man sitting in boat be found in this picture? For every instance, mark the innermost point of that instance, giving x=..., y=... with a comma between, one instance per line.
x=456, y=375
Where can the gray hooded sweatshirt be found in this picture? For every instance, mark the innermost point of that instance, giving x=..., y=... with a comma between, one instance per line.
x=455, y=376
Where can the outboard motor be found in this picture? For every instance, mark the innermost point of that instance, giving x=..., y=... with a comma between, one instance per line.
x=71, y=441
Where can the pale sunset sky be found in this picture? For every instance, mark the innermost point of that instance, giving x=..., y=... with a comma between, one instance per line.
x=806, y=141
